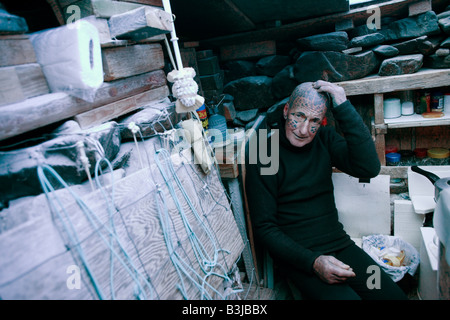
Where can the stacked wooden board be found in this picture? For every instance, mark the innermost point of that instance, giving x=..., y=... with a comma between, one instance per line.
x=131, y=35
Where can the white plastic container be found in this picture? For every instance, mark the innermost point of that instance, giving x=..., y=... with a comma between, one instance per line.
x=392, y=108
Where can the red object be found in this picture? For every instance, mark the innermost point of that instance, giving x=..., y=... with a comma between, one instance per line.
x=390, y=148
x=420, y=152
x=324, y=121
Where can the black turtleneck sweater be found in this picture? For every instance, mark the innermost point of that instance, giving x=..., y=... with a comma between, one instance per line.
x=293, y=211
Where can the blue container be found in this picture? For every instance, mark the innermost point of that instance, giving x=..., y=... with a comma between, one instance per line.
x=219, y=122
x=393, y=159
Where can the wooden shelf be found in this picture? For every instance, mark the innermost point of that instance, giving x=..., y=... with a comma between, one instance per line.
x=380, y=85
x=423, y=79
x=416, y=120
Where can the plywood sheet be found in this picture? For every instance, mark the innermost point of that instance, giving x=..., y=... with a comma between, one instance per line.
x=37, y=252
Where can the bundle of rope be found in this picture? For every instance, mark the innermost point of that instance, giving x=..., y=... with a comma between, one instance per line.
x=107, y=234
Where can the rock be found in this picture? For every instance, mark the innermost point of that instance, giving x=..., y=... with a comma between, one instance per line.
x=156, y=117
x=429, y=46
x=446, y=43
x=247, y=115
x=333, y=41
x=435, y=62
x=237, y=69
x=361, y=30
x=68, y=127
x=442, y=52
x=18, y=173
x=412, y=27
x=109, y=136
x=443, y=15
x=227, y=110
x=271, y=65
x=334, y=66
x=284, y=83
x=444, y=24
x=401, y=65
x=410, y=46
x=386, y=51
x=368, y=40
x=251, y=92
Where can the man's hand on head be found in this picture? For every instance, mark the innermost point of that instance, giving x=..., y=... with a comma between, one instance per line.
x=337, y=93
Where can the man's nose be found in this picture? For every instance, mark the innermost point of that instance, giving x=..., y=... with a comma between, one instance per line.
x=304, y=127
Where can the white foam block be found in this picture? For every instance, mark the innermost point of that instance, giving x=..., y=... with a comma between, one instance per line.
x=70, y=57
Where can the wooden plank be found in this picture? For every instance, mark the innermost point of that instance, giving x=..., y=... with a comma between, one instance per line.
x=43, y=110
x=247, y=50
x=122, y=62
x=116, y=109
x=36, y=255
x=99, y=8
x=260, y=11
x=424, y=78
x=54, y=4
x=140, y=23
x=307, y=27
x=156, y=3
x=419, y=7
x=102, y=27
x=21, y=82
x=417, y=120
x=378, y=108
x=16, y=50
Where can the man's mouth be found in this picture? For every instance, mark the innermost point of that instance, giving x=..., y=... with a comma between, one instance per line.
x=299, y=137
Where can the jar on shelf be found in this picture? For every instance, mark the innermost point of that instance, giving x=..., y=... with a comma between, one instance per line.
x=393, y=159
x=420, y=156
x=406, y=158
x=423, y=103
x=438, y=156
x=407, y=103
x=437, y=102
x=447, y=102
x=390, y=149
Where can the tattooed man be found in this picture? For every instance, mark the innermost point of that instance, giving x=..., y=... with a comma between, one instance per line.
x=293, y=211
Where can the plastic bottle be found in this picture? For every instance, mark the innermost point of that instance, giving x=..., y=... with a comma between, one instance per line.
x=218, y=122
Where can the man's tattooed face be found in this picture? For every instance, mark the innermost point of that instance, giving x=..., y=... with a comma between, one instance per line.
x=304, y=114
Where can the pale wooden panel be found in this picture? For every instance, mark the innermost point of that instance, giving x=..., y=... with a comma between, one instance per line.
x=122, y=62
x=21, y=82
x=16, y=50
x=43, y=110
x=99, y=8
x=35, y=257
x=140, y=23
x=116, y=109
x=425, y=78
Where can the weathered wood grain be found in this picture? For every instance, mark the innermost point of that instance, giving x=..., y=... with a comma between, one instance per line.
x=118, y=64
x=35, y=250
x=43, y=110
x=118, y=108
x=16, y=50
x=140, y=23
x=21, y=82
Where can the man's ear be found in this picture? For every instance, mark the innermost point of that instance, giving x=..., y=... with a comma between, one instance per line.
x=285, y=110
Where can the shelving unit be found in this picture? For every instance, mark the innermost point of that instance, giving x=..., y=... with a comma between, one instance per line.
x=379, y=86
